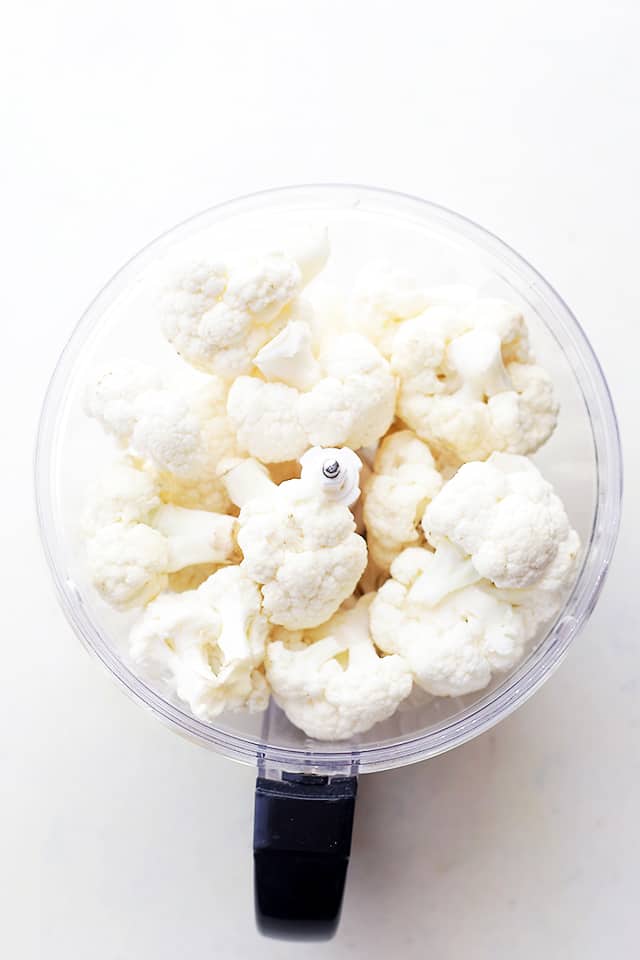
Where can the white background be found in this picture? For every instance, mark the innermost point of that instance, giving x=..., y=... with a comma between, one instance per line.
x=120, y=118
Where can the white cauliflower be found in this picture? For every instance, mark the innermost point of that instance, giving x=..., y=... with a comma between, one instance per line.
x=113, y=395
x=331, y=682
x=505, y=517
x=468, y=384
x=540, y=603
x=246, y=478
x=219, y=317
x=208, y=644
x=300, y=546
x=135, y=541
x=453, y=646
x=505, y=555
x=328, y=473
x=128, y=564
x=289, y=357
x=384, y=296
x=469, y=551
x=511, y=525
x=266, y=418
x=181, y=435
x=404, y=481
x=352, y=405
x=121, y=494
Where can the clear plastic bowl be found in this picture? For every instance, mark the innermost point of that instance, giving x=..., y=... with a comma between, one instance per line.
x=582, y=460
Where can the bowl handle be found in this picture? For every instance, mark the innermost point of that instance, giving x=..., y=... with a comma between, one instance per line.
x=301, y=846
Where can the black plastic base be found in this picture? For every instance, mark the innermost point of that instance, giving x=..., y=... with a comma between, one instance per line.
x=302, y=841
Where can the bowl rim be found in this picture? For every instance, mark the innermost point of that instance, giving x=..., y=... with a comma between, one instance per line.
x=517, y=687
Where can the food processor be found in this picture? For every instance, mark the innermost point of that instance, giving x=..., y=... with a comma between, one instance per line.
x=306, y=789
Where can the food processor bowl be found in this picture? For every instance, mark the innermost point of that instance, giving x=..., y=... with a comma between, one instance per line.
x=582, y=461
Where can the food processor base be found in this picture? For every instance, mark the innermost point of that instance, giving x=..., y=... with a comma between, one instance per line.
x=301, y=844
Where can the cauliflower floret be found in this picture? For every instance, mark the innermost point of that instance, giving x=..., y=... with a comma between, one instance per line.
x=491, y=315
x=467, y=382
x=135, y=541
x=200, y=486
x=167, y=432
x=525, y=417
x=330, y=473
x=384, y=297
x=353, y=405
x=112, y=396
x=263, y=286
x=504, y=516
x=219, y=318
x=266, y=417
x=122, y=494
x=331, y=681
x=504, y=557
x=128, y=563
x=404, y=480
x=208, y=643
x=180, y=436
x=452, y=646
x=540, y=603
x=300, y=546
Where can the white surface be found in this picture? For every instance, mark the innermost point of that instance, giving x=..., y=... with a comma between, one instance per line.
x=119, y=119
